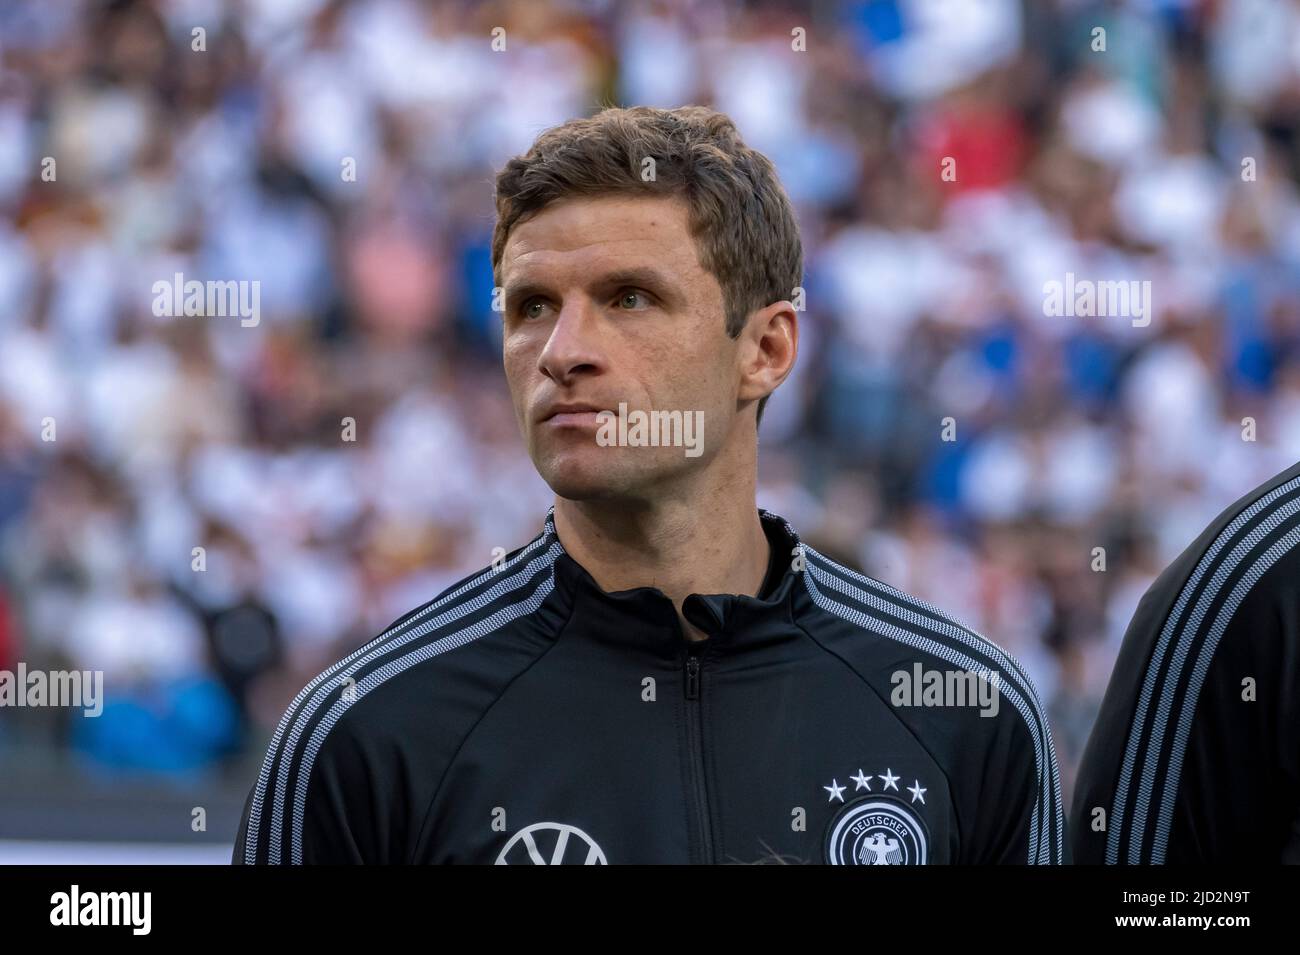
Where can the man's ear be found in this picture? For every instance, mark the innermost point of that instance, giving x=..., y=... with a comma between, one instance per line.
x=769, y=344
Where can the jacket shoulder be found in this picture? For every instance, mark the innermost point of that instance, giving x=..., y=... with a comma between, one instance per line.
x=965, y=698
x=882, y=626
x=386, y=720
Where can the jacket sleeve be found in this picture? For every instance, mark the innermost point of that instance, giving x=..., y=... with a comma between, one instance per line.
x=1019, y=817
x=1197, y=734
x=337, y=817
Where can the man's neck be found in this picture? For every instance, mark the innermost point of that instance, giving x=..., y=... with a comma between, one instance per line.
x=682, y=547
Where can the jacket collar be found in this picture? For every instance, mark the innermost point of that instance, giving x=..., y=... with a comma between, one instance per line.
x=645, y=619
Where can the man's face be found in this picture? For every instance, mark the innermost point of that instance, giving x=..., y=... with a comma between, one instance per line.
x=605, y=302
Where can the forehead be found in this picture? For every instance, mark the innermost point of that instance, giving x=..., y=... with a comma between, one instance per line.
x=581, y=234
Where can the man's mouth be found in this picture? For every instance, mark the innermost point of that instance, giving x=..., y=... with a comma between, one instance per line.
x=571, y=415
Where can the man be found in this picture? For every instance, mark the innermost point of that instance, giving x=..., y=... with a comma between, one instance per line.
x=665, y=673
x=1194, y=755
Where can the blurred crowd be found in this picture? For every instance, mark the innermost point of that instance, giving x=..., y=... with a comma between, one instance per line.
x=1030, y=473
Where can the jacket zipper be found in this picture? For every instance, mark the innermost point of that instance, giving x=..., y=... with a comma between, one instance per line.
x=695, y=739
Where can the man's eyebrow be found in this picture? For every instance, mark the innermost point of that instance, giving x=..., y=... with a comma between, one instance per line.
x=650, y=278
x=643, y=275
x=523, y=289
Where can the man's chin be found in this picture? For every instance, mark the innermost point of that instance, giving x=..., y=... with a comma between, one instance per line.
x=593, y=477
x=587, y=487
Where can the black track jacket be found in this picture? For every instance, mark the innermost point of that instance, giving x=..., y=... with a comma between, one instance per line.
x=1195, y=755
x=525, y=716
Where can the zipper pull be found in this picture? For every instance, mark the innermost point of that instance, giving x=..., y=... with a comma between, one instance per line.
x=692, y=676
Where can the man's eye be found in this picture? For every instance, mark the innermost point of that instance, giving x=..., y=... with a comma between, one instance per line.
x=528, y=308
x=630, y=296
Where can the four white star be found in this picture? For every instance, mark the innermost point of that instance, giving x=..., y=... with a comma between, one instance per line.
x=863, y=781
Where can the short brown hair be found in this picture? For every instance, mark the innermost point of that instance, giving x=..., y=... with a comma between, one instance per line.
x=739, y=215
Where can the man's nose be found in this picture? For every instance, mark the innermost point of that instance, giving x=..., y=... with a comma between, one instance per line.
x=573, y=346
